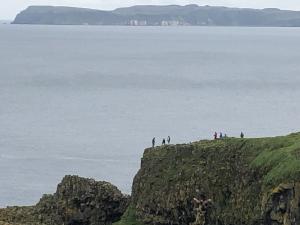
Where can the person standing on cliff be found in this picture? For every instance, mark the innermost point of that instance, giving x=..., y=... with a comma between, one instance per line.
x=216, y=136
x=153, y=142
x=242, y=135
x=169, y=139
x=164, y=142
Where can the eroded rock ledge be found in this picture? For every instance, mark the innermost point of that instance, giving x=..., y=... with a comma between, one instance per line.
x=77, y=201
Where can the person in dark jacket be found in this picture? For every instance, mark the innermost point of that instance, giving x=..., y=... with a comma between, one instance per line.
x=242, y=135
x=216, y=136
x=164, y=142
x=153, y=142
x=169, y=139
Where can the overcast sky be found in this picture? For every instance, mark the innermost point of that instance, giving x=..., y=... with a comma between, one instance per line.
x=9, y=8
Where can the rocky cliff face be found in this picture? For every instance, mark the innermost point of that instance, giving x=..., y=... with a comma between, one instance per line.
x=77, y=201
x=236, y=181
x=282, y=206
x=222, y=182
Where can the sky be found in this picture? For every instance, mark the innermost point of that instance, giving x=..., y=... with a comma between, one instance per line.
x=9, y=8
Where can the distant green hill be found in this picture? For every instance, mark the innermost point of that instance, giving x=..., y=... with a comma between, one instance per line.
x=172, y=15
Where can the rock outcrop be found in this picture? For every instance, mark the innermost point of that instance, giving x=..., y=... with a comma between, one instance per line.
x=77, y=201
x=282, y=205
x=247, y=181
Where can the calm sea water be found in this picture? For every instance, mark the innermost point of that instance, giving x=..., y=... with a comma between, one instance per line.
x=88, y=100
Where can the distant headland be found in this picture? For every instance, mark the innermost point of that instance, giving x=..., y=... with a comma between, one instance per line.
x=171, y=15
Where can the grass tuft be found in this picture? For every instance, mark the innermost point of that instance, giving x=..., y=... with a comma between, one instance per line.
x=279, y=159
x=128, y=218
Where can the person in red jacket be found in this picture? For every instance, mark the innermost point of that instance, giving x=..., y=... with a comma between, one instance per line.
x=216, y=136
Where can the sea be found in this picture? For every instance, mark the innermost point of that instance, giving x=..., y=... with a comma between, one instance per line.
x=87, y=100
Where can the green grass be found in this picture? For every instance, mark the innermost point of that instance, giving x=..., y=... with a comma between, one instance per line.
x=171, y=174
x=128, y=218
x=280, y=158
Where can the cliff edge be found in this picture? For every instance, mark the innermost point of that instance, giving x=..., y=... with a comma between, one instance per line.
x=236, y=181
x=222, y=182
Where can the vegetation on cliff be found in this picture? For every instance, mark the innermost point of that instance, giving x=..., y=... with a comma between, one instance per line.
x=77, y=201
x=248, y=181
x=245, y=178
x=279, y=159
x=129, y=218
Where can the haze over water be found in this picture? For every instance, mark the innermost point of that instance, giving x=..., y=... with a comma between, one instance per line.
x=87, y=100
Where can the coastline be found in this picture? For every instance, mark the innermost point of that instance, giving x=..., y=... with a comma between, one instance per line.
x=244, y=178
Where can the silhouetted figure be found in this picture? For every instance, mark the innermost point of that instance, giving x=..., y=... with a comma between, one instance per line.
x=225, y=136
x=215, y=136
x=153, y=142
x=164, y=142
x=169, y=139
x=242, y=135
x=221, y=135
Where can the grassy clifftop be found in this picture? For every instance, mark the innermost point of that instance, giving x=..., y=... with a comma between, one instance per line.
x=279, y=157
x=248, y=181
x=241, y=176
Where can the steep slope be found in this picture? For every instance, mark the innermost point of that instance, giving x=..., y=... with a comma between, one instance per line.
x=222, y=182
x=245, y=181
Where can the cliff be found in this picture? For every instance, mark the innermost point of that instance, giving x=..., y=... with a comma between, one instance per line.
x=77, y=201
x=172, y=15
x=222, y=182
x=241, y=181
